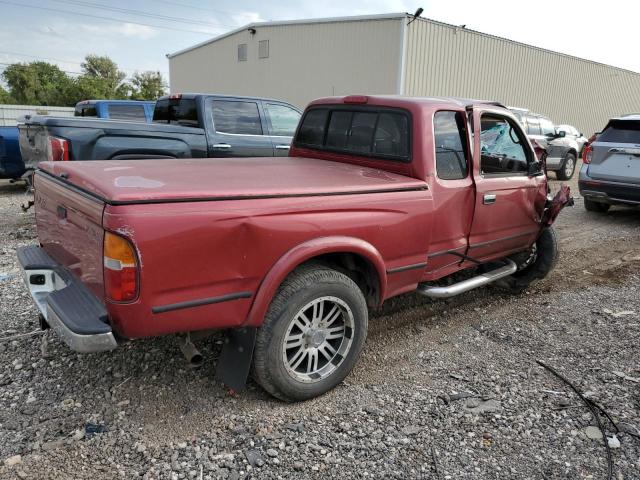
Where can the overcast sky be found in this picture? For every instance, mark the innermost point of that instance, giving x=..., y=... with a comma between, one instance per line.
x=138, y=33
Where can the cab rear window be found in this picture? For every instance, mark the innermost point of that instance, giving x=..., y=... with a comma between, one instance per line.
x=369, y=132
x=621, y=131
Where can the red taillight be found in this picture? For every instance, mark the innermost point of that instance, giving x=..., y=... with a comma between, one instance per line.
x=587, y=153
x=58, y=149
x=120, y=269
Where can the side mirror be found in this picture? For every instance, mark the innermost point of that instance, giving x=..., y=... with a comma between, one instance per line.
x=534, y=168
x=562, y=134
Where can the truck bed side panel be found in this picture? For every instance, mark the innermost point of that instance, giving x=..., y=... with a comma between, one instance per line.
x=70, y=230
x=220, y=251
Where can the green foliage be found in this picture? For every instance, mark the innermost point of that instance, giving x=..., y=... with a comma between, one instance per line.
x=147, y=86
x=5, y=98
x=41, y=83
x=37, y=83
x=101, y=79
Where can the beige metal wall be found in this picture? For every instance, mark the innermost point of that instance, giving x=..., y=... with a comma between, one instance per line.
x=442, y=60
x=306, y=61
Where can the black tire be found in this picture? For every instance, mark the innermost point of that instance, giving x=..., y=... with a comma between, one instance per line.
x=593, y=206
x=566, y=171
x=307, y=284
x=545, y=259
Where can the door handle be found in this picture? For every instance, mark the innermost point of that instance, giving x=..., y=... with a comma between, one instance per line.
x=222, y=146
x=282, y=147
x=489, y=198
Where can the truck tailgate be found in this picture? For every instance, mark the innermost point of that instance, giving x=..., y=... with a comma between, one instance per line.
x=33, y=144
x=70, y=230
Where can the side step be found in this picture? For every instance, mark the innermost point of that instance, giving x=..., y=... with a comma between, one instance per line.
x=470, y=284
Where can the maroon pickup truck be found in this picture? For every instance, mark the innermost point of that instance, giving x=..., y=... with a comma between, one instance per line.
x=379, y=196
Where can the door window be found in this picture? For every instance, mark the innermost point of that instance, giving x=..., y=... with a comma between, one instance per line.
x=502, y=148
x=533, y=126
x=240, y=118
x=282, y=120
x=449, y=138
x=547, y=126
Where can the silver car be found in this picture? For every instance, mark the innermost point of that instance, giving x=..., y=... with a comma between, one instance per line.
x=572, y=132
x=610, y=174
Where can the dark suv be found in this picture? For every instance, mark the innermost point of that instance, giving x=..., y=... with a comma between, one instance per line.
x=562, y=150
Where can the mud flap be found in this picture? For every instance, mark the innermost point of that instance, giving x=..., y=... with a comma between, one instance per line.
x=235, y=359
x=553, y=208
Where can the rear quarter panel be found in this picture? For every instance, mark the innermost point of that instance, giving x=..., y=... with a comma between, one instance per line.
x=192, y=251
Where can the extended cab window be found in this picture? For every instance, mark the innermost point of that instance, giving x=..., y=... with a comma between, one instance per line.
x=282, y=120
x=449, y=139
x=240, y=118
x=502, y=148
x=367, y=132
x=126, y=112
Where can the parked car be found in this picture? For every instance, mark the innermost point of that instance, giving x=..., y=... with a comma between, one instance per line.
x=133, y=110
x=610, y=174
x=572, y=132
x=184, y=126
x=11, y=164
x=380, y=196
x=562, y=151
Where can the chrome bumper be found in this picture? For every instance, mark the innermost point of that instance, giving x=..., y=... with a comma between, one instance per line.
x=68, y=307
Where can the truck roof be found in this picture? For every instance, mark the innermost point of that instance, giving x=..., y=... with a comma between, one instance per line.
x=403, y=101
x=104, y=100
x=192, y=95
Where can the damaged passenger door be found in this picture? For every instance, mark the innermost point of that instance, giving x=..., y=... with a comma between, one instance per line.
x=509, y=187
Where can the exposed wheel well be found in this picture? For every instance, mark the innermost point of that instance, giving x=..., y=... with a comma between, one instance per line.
x=356, y=267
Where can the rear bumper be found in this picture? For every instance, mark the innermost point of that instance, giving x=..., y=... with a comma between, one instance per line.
x=608, y=192
x=70, y=309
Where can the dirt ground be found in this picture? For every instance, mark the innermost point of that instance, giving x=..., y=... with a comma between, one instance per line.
x=443, y=390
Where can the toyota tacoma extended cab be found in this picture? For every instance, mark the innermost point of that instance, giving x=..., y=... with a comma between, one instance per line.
x=184, y=126
x=380, y=196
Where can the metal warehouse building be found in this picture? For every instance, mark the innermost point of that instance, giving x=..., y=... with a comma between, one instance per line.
x=300, y=60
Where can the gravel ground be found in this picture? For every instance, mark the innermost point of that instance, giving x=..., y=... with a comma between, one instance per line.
x=447, y=390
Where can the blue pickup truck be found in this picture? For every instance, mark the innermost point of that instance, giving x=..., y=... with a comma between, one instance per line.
x=133, y=110
x=11, y=164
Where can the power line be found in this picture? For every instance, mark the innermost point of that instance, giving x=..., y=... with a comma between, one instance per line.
x=101, y=6
x=5, y=65
x=71, y=61
x=199, y=8
x=100, y=17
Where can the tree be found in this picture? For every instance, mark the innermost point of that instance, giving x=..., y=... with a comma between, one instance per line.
x=101, y=79
x=37, y=83
x=147, y=86
x=5, y=97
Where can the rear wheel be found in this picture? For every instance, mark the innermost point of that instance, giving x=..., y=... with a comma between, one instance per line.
x=567, y=168
x=312, y=335
x=534, y=264
x=593, y=206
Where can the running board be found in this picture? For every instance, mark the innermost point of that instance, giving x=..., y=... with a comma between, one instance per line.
x=470, y=284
